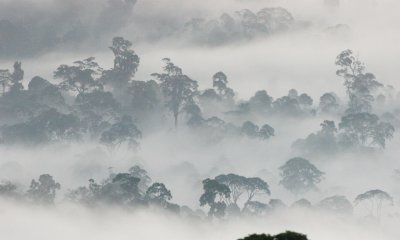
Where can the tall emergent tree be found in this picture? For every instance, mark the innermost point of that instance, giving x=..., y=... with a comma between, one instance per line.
x=359, y=84
x=178, y=89
x=126, y=63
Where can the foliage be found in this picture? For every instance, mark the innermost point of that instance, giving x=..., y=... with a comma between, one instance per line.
x=178, y=89
x=320, y=143
x=282, y=236
x=126, y=63
x=239, y=185
x=300, y=176
x=44, y=190
x=81, y=77
x=359, y=85
x=364, y=129
x=376, y=199
x=336, y=204
x=251, y=130
x=216, y=196
x=49, y=126
x=123, y=131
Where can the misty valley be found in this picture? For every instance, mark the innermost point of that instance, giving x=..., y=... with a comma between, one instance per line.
x=242, y=119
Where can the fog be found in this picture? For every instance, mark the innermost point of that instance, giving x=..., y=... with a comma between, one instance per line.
x=80, y=224
x=75, y=135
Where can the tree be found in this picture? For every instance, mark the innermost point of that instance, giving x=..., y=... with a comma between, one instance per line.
x=255, y=208
x=88, y=196
x=220, y=83
x=98, y=103
x=193, y=114
x=256, y=186
x=120, y=189
x=178, y=89
x=359, y=85
x=240, y=186
x=301, y=204
x=12, y=80
x=9, y=190
x=276, y=204
x=126, y=63
x=300, y=176
x=235, y=183
x=215, y=196
x=323, y=142
x=266, y=132
x=282, y=236
x=293, y=94
x=336, y=204
x=16, y=77
x=5, y=79
x=97, y=109
x=45, y=94
x=328, y=103
x=80, y=77
x=261, y=102
x=364, y=129
x=305, y=101
x=287, y=106
x=158, y=194
x=122, y=131
x=251, y=130
x=243, y=25
x=123, y=188
x=48, y=126
x=44, y=190
x=210, y=95
x=376, y=198
x=145, y=96
x=142, y=174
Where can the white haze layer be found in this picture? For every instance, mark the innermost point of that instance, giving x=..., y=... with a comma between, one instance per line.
x=302, y=59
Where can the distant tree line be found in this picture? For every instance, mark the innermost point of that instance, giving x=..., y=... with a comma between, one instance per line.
x=226, y=196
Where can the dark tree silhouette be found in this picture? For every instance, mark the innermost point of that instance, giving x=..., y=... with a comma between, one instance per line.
x=124, y=131
x=126, y=63
x=81, y=77
x=44, y=190
x=178, y=89
x=300, y=176
x=282, y=236
x=216, y=196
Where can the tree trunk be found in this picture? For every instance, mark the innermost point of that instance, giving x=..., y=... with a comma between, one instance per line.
x=176, y=120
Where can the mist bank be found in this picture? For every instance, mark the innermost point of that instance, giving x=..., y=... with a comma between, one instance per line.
x=71, y=26
x=78, y=223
